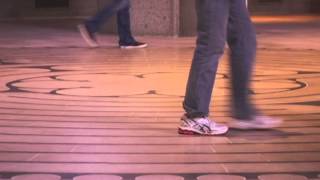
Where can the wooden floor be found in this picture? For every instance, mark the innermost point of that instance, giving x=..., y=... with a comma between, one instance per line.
x=69, y=111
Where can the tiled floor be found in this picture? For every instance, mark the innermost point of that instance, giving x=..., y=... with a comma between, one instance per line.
x=72, y=112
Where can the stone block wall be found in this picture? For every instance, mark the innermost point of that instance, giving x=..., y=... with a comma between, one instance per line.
x=157, y=17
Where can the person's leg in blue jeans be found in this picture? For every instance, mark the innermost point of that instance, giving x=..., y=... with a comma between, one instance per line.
x=124, y=26
x=218, y=21
x=95, y=23
x=241, y=37
x=212, y=30
x=121, y=8
x=212, y=21
x=126, y=40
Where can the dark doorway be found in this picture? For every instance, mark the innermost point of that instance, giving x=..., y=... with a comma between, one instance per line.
x=270, y=1
x=188, y=18
x=52, y=3
x=315, y=6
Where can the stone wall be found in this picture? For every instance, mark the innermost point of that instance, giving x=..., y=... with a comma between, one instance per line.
x=157, y=17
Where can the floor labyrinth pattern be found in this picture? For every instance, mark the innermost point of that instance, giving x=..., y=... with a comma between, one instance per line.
x=72, y=112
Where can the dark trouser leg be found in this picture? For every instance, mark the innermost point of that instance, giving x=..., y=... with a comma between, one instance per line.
x=124, y=26
x=212, y=27
x=95, y=23
x=242, y=43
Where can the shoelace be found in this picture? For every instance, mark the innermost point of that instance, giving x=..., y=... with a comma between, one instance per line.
x=206, y=122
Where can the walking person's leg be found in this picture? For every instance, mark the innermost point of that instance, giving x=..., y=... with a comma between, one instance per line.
x=93, y=25
x=242, y=43
x=126, y=39
x=212, y=26
x=124, y=26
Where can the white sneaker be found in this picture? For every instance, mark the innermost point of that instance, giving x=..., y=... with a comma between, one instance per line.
x=201, y=126
x=258, y=122
x=88, y=37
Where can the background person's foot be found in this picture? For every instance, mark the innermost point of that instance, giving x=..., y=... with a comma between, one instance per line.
x=133, y=45
x=88, y=37
x=257, y=122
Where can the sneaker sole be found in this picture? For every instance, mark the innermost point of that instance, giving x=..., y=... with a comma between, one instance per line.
x=246, y=126
x=134, y=47
x=84, y=34
x=191, y=132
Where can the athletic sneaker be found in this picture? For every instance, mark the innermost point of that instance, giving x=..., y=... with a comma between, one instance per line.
x=88, y=37
x=258, y=122
x=201, y=126
x=133, y=45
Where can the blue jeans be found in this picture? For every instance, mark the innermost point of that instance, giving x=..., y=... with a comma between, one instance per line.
x=122, y=9
x=221, y=21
